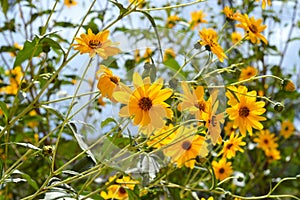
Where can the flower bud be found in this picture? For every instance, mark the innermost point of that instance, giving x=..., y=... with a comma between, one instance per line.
x=288, y=85
x=197, y=45
x=278, y=107
x=173, y=83
x=47, y=150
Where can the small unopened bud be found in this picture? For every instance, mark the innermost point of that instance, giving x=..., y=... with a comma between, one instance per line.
x=278, y=107
x=288, y=85
x=173, y=83
x=298, y=177
x=47, y=150
x=197, y=45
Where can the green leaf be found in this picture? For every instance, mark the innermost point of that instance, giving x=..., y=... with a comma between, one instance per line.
x=4, y=110
x=172, y=64
x=120, y=6
x=5, y=6
x=132, y=195
x=107, y=121
x=30, y=181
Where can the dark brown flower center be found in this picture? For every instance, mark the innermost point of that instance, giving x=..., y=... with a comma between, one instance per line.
x=114, y=80
x=266, y=141
x=244, y=111
x=200, y=106
x=253, y=28
x=95, y=44
x=186, y=145
x=145, y=103
x=286, y=128
x=229, y=146
x=221, y=170
x=122, y=190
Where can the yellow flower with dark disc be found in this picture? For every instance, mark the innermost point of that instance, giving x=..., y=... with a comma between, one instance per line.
x=253, y=28
x=197, y=17
x=70, y=3
x=245, y=111
x=108, y=82
x=145, y=103
x=96, y=44
x=222, y=169
x=287, y=129
x=232, y=145
x=209, y=39
x=247, y=73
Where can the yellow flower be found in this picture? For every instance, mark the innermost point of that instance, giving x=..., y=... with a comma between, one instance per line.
x=247, y=73
x=209, y=39
x=222, y=169
x=232, y=145
x=70, y=3
x=148, y=54
x=145, y=104
x=169, y=53
x=186, y=146
x=119, y=187
x=139, y=3
x=172, y=20
x=162, y=137
x=245, y=111
x=101, y=102
x=264, y=2
x=253, y=28
x=288, y=85
x=108, y=83
x=213, y=121
x=197, y=17
x=272, y=154
x=92, y=44
x=228, y=128
x=230, y=15
x=287, y=129
x=15, y=77
x=17, y=47
x=33, y=123
x=266, y=140
x=210, y=198
x=137, y=56
x=236, y=37
x=192, y=100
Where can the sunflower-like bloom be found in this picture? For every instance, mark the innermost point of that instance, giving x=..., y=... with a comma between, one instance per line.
x=99, y=43
x=162, y=137
x=245, y=111
x=228, y=128
x=266, y=140
x=287, y=129
x=264, y=2
x=222, y=169
x=272, y=155
x=230, y=15
x=209, y=39
x=108, y=83
x=172, y=20
x=253, y=28
x=185, y=147
x=236, y=37
x=70, y=3
x=145, y=104
x=197, y=17
x=247, y=73
x=232, y=145
x=118, y=189
x=192, y=100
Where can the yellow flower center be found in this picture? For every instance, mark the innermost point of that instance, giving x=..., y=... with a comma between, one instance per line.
x=221, y=170
x=186, y=145
x=95, y=44
x=145, y=103
x=253, y=28
x=244, y=111
x=114, y=79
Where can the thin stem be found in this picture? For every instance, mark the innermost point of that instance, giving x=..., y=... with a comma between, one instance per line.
x=174, y=6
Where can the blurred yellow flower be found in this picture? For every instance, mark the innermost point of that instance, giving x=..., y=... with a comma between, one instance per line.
x=169, y=53
x=137, y=55
x=266, y=140
x=245, y=111
x=172, y=20
x=272, y=154
x=100, y=101
x=264, y=2
x=108, y=83
x=222, y=169
x=186, y=146
x=252, y=28
x=33, y=123
x=15, y=77
x=17, y=47
x=288, y=85
x=210, y=198
x=232, y=145
x=139, y=3
x=209, y=39
x=287, y=129
x=145, y=104
x=197, y=17
x=70, y=3
x=230, y=15
x=99, y=43
x=247, y=73
x=162, y=137
x=228, y=128
x=236, y=37
x=148, y=54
